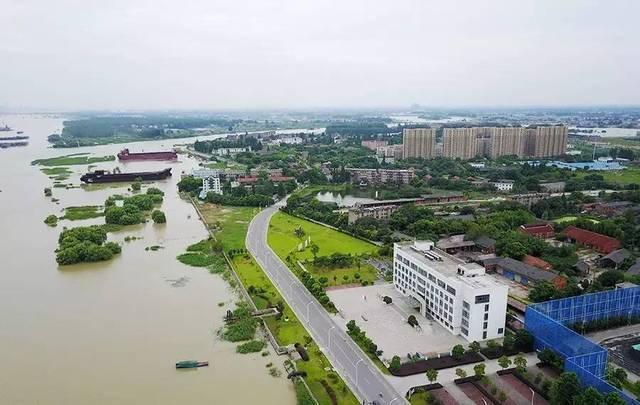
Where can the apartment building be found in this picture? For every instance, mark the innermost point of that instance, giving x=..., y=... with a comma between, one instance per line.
x=373, y=144
x=458, y=295
x=460, y=143
x=546, y=141
x=380, y=176
x=419, y=143
x=493, y=142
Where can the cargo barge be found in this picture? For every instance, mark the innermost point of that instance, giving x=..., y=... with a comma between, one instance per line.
x=126, y=155
x=103, y=176
x=13, y=138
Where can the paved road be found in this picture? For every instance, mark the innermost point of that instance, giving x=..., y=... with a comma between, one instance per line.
x=362, y=376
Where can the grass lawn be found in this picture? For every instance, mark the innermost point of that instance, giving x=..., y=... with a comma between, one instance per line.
x=627, y=176
x=572, y=218
x=74, y=159
x=288, y=330
x=283, y=241
x=233, y=223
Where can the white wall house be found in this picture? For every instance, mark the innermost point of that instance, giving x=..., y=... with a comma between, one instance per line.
x=503, y=185
x=230, y=151
x=211, y=184
x=458, y=295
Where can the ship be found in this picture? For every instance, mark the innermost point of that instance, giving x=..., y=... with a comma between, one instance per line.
x=191, y=364
x=13, y=138
x=126, y=155
x=5, y=128
x=103, y=176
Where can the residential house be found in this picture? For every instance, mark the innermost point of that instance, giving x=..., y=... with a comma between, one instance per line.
x=542, y=231
x=592, y=240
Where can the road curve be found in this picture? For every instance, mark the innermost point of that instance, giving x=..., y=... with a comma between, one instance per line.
x=353, y=365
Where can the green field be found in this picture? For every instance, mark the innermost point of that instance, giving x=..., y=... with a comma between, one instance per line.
x=284, y=242
x=57, y=173
x=231, y=224
x=627, y=176
x=83, y=212
x=73, y=159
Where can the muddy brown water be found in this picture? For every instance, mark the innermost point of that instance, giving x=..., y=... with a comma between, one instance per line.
x=110, y=332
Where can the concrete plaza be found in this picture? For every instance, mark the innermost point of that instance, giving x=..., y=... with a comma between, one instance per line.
x=387, y=325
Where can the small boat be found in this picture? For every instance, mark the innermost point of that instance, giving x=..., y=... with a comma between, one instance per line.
x=191, y=364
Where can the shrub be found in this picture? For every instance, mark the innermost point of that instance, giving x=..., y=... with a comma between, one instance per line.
x=158, y=217
x=461, y=373
x=51, y=220
x=252, y=346
x=136, y=186
x=457, y=352
x=395, y=364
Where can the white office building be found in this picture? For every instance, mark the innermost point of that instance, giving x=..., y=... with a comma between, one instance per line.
x=458, y=295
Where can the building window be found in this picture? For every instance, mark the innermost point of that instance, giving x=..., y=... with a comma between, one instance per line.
x=465, y=314
x=451, y=290
x=486, y=307
x=464, y=331
x=465, y=304
x=486, y=317
x=441, y=284
x=484, y=335
x=484, y=325
x=500, y=331
x=481, y=299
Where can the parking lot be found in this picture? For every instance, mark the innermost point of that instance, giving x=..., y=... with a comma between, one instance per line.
x=387, y=325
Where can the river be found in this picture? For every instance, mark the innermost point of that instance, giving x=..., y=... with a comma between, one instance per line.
x=110, y=332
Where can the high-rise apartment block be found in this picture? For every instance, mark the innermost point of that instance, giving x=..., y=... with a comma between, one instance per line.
x=419, y=143
x=493, y=142
x=546, y=141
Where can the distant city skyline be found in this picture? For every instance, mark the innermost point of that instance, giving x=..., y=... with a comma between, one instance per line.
x=299, y=55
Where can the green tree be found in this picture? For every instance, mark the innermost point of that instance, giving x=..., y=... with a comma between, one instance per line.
x=314, y=250
x=564, y=389
x=613, y=398
x=189, y=184
x=509, y=342
x=136, y=186
x=395, y=364
x=479, y=369
x=474, y=347
x=590, y=396
x=432, y=375
x=521, y=364
x=542, y=291
x=457, y=352
x=158, y=217
x=461, y=373
x=504, y=362
x=492, y=344
x=610, y=278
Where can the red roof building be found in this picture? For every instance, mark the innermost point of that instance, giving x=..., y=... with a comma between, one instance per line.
x=536, y=262
x=593, y=240
x=254, y=179
x=538, y=230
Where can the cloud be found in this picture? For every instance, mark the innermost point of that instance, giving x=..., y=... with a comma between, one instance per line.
x=299, y=54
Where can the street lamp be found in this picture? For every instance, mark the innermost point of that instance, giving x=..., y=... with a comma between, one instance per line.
x=533, y=394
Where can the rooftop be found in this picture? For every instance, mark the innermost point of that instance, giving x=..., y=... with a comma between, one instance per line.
x=448, y=267
x=523, y=269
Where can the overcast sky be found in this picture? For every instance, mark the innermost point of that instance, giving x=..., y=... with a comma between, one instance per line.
x=208, y=54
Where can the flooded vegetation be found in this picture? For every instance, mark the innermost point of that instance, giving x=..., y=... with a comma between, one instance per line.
x=110, y=323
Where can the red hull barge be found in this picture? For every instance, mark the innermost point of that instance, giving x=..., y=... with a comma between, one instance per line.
x=126, y=155
x=102, y=176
